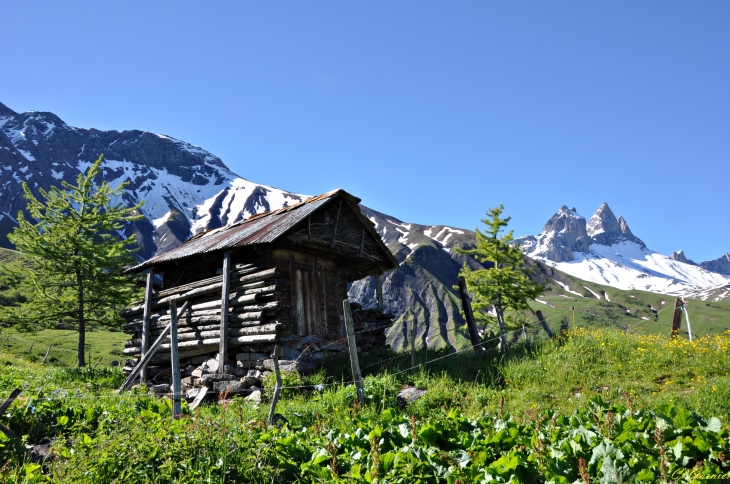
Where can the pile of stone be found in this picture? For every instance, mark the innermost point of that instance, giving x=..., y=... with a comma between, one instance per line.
x=370, y=326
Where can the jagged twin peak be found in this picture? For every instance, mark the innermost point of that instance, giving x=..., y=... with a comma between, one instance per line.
x=567, y=232
x=605, y=251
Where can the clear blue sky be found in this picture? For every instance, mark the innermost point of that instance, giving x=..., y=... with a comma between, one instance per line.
x=429, y=111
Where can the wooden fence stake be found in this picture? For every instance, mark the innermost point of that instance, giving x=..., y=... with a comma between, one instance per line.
x=413, y=344
x=225, y=292
x=5, y=405
x=500, y=318
x=352, y=346
x=144, y=360
x=30, y=349
x=277, y=389
x=677, y=319
x=146, y=312
x=469, y=316
x=544, y=324
x=524, y=333
x=686, y=315
x=47, y=352
x=175, y=360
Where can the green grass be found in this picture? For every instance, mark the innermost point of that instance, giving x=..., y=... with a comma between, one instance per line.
x=102, y=346
x=706, y=317
x=648, y=373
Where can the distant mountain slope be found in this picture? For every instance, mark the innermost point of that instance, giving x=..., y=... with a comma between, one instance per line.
x=605, y=251
x=185, y=188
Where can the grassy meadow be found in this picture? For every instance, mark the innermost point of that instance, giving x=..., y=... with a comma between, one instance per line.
x=596, y=404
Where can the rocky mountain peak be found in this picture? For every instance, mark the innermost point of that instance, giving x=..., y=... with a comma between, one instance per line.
x=6, y=111
x=563, y=234
x=605, y=229
x=679, y=256
x=721, y=265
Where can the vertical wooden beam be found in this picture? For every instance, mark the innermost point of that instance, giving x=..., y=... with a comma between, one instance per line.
x=277, y=389
x=469, y=316
x=524, y=333
x=175, y=361
x=47, y=353
x=352, y=346
x=413, y=343
x=379, y=291
x=544, y=324
x=299, y=303
x=500, y=319
x=362, y=243
x=337, y=220
x=686, y=315
x=147, y=310
x=225, y=294
x=677, y=319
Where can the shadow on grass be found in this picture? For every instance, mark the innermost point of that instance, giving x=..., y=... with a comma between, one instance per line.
x=463, y=366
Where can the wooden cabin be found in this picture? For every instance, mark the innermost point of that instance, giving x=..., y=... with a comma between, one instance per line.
x=275, y=278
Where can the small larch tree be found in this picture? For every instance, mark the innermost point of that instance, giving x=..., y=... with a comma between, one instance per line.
x=506, y=283
x=74, y=238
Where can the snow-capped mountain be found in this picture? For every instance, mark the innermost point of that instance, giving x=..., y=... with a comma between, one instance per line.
x=185, y=188
x=605, y=251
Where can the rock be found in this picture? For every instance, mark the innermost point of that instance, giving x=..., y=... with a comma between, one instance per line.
x=206, y=379
x=212, y=365
x=288, y=353
x=254, y=397
x=232, y=387
x=240, y=371
x=161, y=389
x=197, y=373
x=228, y=368
x=42, y=450
x=249, y=381
x=114, y=363
x=192, y=393
x=188, y=380
x=409, y=395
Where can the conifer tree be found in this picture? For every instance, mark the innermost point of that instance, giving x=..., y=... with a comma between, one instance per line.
x=506, y=283
x=73, y=238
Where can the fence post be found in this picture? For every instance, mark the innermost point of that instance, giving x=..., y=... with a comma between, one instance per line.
x=175, y=360
x=677, y=319
x=413, y=343
x=277, y=389
x=225, y=292
x=469, y=316
x=146, y=313
x=544, y=324
x=686, y=315
x=47, y=352
x=352, y=345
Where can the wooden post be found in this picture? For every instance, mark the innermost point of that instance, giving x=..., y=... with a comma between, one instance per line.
x=469, y=316
x=572, y=308
x=686, y=315
x=500, y=319
x=677, y=319
x=277, y=389
x=30, y=349
x=413, y=343
x=144, y=360
x=47, y=352
x=4, y=406
x=524, y=333
x=146, y=312
x=544, y=324
x=351, y=344
x=225, y=294
x=379, y=291
x=175, y=360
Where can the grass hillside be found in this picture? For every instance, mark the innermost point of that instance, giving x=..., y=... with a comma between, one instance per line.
x=634, y=311
x=603, y=405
